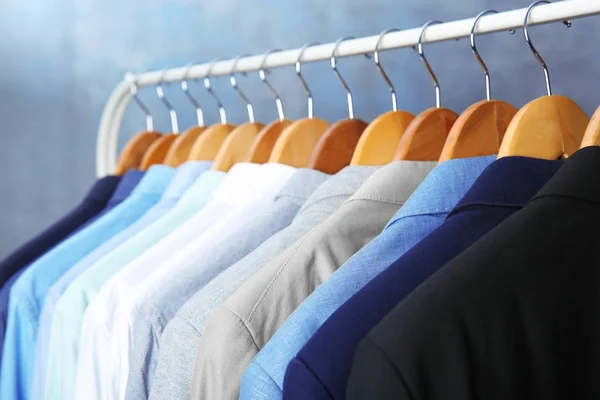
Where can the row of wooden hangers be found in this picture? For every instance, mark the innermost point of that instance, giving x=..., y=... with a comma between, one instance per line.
x=549, y=127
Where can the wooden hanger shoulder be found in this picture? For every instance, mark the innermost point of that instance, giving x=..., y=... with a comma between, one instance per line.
x=377, y=144
x=479, y=130
x=549, y=127
x=179, y=152
x=157, y=151
x=592, y=132
x=426, y=135
x=236, y=146
x=263, y=145
x=207, y=145
x=133, y=153
x=297, y=142
x=336, y=147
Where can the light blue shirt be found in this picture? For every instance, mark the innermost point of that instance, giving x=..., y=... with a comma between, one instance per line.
x=28, y=292
x=421, y=214
x=184, y=176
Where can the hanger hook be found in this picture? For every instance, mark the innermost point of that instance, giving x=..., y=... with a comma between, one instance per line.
x=302, y=81
x=234, y=85
x=333, y=63
x=438, y=100
x=486, y=72
x=161, y=95
x=380, y=68
x=186, y=90
x=533, y=50
x=208, y=87
x=133, y=90
x=262, y=73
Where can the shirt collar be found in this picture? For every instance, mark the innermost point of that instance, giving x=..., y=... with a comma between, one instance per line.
x=103, y=189
x=394, y=182
x=184, y=176
x=202, y=187
x=445, y=185
x=302, y=184
x=238, y=183
x=577, y=178
x=126, y=185
x=155, y=180
x=509, y=182
x=344, y=183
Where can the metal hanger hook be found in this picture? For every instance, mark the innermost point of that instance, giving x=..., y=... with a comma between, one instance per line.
x=186, y=90
x=438, y=100
x=161, y=95
x=208, y=87
x=533, y=50
x=333, y=62
x=133, y=90
x=262, y=73
x=380, y=68
x=486, y=72
x=302, y=81
x=235, y=86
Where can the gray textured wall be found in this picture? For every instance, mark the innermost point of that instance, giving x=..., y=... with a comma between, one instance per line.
x=60, y=59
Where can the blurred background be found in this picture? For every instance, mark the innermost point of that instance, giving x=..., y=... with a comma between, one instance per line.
x=60, y=59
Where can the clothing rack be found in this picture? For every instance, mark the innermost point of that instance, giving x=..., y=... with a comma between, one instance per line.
x=107, y=141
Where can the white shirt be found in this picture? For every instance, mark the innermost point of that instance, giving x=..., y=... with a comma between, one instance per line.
x=91, y=381
x=245, y=205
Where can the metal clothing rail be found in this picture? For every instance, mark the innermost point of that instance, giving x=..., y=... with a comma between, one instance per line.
x=112, y=116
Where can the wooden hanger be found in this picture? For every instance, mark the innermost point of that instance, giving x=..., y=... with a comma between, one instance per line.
x=132, y=154
x=158, y=151
x=336, y=147
x=592, y=132
x=377, y=144
x=479, y=130
x=180, y=150
x=262, y=147
x=236, y=146
x=549, y=127
x=426, y=135
x=206, y=147
x=297, y=142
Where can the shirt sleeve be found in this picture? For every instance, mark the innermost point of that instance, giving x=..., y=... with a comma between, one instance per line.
x=225, y=350
x=374, y=376
x=257, y=384
x=90, y=383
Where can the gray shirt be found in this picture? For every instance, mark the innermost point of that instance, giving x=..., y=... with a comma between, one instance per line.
x=240, y=327
x=180, y=339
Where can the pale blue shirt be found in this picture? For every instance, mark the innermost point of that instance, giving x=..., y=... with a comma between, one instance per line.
x=28, y=292
x=421, y=214
x=184, y=176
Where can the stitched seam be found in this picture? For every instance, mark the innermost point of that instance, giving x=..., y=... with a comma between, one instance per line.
x=267, y=374
x=247, y=328
x=280, y=271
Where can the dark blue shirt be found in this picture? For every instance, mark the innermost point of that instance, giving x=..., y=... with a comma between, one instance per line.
x=321, y=368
